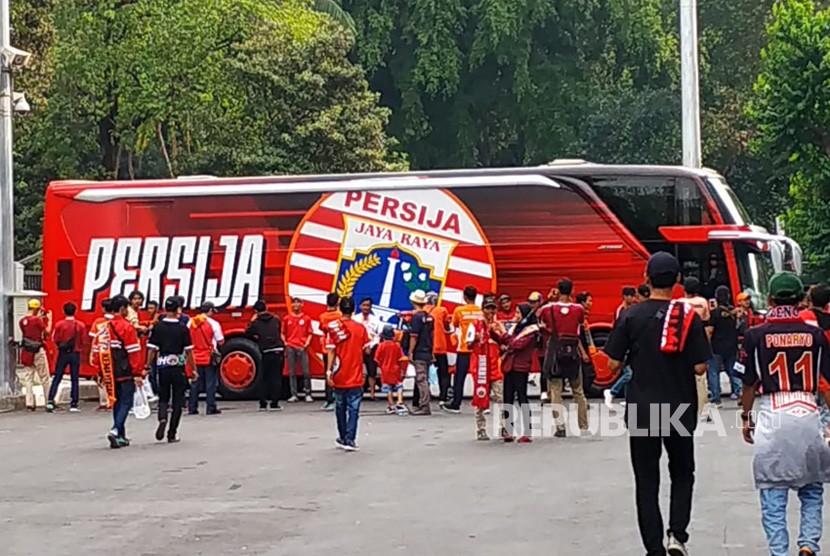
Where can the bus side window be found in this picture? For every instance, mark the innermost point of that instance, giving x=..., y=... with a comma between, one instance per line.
x=690, y=210
x=65, y=278
x=642, y=203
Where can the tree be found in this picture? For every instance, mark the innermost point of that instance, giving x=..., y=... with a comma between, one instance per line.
x=487, y=83
x=153, y=88
x=792, y=111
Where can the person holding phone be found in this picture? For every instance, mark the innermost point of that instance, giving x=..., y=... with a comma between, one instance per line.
x=35, y=326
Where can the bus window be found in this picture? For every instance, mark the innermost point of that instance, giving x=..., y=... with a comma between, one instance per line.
x=642, y=203
x=754, y=271
x=690, y=210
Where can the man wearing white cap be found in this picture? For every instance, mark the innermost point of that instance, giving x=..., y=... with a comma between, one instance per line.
x=35, y=326
x=421, y=338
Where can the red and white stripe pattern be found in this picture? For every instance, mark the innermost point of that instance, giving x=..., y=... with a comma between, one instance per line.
x=318, y=243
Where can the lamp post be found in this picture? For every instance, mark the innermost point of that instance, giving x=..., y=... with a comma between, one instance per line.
x=10, y=58
x=6, y=206
x=690, y=83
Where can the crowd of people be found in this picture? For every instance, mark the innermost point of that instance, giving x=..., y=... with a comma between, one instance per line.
x=666, y=351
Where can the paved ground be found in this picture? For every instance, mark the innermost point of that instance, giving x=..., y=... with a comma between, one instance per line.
x=271, y=484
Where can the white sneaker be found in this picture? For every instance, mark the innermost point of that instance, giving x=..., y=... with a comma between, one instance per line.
x=293, y=399
x=609, y=398
x=308, y=398
x=544, y=397
x=74, y=410
x=675, y=547
x=623, y=403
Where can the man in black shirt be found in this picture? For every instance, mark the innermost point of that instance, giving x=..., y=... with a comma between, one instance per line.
x=170, y=347
x=786, y=356
x=421, y=337
x=724, y=323
x=665, y=345
x=266, y=331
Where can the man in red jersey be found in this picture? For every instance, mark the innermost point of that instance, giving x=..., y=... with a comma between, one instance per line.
x=331, y=313
x=68, y=336
x=348, y=342
x=36, y=325
x=565, y=354
x=118, y=348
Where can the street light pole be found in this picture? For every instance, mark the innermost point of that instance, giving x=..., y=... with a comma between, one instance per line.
x=7, y=280
x=690, y=83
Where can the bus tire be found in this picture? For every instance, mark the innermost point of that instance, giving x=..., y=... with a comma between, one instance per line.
x=239, y=376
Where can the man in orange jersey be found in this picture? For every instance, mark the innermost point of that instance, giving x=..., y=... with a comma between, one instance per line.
x=331, y=313
x=464, y=320
x=442, y=320
x=348, y=342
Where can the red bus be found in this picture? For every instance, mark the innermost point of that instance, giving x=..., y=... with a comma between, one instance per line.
x=379, y=236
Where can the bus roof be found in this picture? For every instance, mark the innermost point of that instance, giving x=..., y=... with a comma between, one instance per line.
x=569, y=169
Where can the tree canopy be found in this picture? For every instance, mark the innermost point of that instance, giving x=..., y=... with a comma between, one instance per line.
x=792, y=111
x=153, y=88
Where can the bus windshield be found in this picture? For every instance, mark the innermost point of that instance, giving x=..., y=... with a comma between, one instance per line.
x=729, y=200
x=754, y=271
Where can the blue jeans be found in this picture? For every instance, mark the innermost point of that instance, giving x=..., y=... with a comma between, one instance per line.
x=462, y=366
x=621, y=385
x=774, y=518
x=124, y=392
x=73, y=361
x=208, y=382
x=728, y=363
x=347, y=411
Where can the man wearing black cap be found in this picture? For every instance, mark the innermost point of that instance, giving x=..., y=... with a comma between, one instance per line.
x=666, y=346
x=171, y=348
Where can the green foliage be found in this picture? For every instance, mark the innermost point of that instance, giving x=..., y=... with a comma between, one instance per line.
x=158, y=88
x=487, y=82
x=792, y=111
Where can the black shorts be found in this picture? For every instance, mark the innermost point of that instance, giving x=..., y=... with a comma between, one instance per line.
x=369, y=362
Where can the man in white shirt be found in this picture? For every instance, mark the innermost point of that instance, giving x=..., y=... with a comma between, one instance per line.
x=373, y=326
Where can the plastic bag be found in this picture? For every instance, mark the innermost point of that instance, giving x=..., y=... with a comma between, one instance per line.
x=147, y=388
x=141, y=407
x=433, y=375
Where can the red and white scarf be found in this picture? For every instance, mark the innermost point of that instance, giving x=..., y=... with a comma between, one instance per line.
x=676, y=326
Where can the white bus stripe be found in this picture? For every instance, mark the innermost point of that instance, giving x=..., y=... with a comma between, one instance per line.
x=452, y=295
x=326, y=233
x=312, y=295
x=310, y=262
x=469, y=266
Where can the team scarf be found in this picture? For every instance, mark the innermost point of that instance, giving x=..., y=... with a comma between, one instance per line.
x=479, y=361
x=676, y=326
x=105, y=364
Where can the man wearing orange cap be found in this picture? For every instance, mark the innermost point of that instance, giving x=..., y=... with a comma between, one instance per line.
x=35, y=326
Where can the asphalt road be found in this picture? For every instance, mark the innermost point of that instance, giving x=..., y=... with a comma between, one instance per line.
x=272, y=483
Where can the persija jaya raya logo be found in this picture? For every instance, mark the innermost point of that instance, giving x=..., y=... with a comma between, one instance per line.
x=385, y=245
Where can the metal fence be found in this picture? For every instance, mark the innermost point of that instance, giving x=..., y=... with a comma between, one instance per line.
x=33, y=280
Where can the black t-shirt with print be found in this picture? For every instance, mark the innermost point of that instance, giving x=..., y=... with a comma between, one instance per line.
x=665, y=379
x=172, y=340
x=423, y=325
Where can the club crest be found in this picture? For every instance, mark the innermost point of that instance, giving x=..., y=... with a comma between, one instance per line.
x=385, y=245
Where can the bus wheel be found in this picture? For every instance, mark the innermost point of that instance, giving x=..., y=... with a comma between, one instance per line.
x=238, y=376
